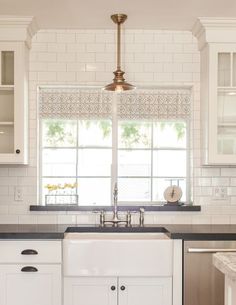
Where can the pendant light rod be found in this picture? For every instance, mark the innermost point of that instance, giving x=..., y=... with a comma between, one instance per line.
x=118, y=59
x=119, y=83
x=118, y=19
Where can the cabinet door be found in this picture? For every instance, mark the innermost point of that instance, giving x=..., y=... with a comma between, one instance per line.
x=145, y=291
x=90, y=291
x=27, y=286
x=13, y=103
x=222, y=110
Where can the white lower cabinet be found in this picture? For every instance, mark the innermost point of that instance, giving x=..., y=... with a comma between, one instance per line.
x=145, y=291
x=118, y=291
x=30, y=272
x=30, y=285
x=90, y=291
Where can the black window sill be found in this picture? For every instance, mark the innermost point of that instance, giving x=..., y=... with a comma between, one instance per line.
x=152, y=208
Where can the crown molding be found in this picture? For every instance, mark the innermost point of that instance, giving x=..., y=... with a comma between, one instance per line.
x=214, y=30
x=18, y=28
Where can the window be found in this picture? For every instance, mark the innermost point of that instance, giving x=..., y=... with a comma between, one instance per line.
x=86, y=147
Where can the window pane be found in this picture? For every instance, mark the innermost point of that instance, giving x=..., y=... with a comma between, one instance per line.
x=134, y=163
x=94, y=162
x=224, y=70
x=94, y=191
x=134, y=189
x=167, y=163
x=59, y=190
x=134, y=134
x=95, y=133
x=59, y=162
x=160, y=184
x=169, y=134
x=59, y=133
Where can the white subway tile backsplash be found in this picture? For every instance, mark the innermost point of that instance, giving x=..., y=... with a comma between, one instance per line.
x=44, y=36
x=85, y=37
x=47, y=57
x=18, y=172
x=85, y=57
x=66, y=57
x=210, y=172
x=95, y=47
x=105, y=57
x=4, y=171
x=76, y=47
x=218, y=181
x=183, y=38
x=144, y=38
x=173, y=48
x=66, y=76
x=183, y=58
x=163, y=37
x=76, y=66
x=47, y=219
x=228, y=172
x=66, y=219
x=47, y=76
x=149, y=57
x=172, y=67
x=163, y=57
x=66, y=37
x=57, y=66
x=56, y=47
x=216, y=220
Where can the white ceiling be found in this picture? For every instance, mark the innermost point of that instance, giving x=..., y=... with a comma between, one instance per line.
x=143, y=14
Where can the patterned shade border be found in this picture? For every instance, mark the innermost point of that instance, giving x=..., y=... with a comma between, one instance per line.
x=155, y=104
x=77, y=103
x=74, y=103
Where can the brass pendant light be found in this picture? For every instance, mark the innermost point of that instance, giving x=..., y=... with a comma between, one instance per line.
x=119, y=83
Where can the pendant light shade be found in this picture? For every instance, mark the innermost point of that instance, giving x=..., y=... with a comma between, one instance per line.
x=119, y=83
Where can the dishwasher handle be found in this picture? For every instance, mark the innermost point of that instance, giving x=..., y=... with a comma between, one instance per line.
x=211, y=250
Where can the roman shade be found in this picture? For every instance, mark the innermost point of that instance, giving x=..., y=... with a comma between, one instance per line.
x=94, y=103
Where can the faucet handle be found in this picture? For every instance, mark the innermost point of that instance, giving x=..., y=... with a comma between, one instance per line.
x=128, y=218
x=141, y=216
x=102, y=214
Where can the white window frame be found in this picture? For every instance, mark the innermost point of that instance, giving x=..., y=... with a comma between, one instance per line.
x=114, y=166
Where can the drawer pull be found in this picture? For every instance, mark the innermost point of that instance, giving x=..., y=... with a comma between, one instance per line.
x=29, y=252
x=122, y=288
x=29, y=269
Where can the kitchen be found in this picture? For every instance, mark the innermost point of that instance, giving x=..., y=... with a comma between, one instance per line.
x=159, y=56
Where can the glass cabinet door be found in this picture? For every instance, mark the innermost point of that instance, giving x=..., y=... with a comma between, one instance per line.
x=7, y=102
x=226, y=103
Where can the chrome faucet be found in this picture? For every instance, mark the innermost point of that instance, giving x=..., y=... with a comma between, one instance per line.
x=115, y=218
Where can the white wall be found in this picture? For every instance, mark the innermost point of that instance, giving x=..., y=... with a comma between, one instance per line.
x=88, y=57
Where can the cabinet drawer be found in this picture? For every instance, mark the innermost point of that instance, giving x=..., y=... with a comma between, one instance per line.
x=30, y=251
x=39, y=287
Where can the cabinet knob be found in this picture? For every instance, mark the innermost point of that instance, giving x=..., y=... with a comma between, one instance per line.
x=29, y=252
x=122, y=288
x=29, y=269
x=113, y=288
x=18, y=151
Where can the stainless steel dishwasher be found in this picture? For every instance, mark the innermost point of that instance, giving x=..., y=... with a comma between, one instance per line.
x=203, y=283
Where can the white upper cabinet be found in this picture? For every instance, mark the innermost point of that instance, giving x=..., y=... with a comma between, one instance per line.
x=15, y=37
x=217, y=44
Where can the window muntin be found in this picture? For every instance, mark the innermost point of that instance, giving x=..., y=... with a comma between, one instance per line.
x=77, y=160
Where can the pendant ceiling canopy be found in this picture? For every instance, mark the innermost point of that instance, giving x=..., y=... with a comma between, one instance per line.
x=119, y=83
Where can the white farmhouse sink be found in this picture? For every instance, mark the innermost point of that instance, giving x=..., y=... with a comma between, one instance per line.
x=117, y=254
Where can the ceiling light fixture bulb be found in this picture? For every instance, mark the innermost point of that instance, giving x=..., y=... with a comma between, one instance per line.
x=119, y=84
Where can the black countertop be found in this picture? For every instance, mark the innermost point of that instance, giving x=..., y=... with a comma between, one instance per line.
x=185, y=232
